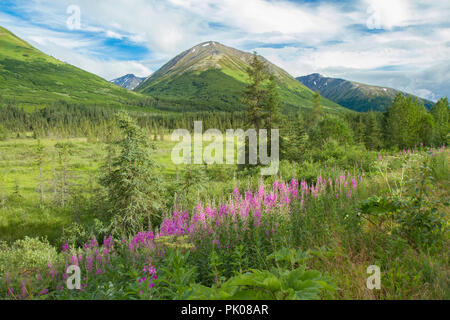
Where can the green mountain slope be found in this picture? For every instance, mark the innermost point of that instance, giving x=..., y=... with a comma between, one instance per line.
x=212, y=76
x=354, y=95
x=30, y=77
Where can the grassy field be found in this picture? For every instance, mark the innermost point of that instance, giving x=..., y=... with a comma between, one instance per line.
x=20, y=210
x=335, y=231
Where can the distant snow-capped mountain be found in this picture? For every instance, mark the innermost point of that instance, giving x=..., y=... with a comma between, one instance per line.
x=129, y=81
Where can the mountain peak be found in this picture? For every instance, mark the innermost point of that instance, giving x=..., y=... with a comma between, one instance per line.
x=128, y=81
x=208, y=44
x=209, y=48
x=203, y=56
x=213, y=76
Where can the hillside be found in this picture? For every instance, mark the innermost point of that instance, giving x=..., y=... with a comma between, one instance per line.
x=212, y=76
x=353, y=95
x=129, y=81
x=30, y=77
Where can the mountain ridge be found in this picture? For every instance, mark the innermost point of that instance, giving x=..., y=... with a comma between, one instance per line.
x=355, y=95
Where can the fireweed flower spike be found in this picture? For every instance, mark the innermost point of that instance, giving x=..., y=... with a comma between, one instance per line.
x=253, y=206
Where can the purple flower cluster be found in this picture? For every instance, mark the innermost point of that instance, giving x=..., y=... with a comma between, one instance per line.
x=149, y=274
x=240, y=212
x=251, y=207
x=142, y=239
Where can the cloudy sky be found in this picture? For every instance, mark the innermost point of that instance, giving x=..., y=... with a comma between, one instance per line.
x=404, y=44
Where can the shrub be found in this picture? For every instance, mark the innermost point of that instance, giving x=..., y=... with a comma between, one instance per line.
x=25, y=255
x=78, y=234
x=25, y=262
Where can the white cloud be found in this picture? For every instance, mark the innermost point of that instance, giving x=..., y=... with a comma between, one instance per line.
x=110, y=69
x=106, y=68
x=112, y=34
x=386, y=14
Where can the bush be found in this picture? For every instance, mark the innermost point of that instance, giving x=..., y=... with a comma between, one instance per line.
x=78, y=234
x=418, y=221
x=30, y=255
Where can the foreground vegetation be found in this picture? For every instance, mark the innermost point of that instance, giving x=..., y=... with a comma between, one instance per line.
x=95, y=188
x=240, y=237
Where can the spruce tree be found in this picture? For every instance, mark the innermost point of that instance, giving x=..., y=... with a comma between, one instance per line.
x=373, y=133
x=254, y=95
x=317, y=111
x=255, y=99
x=441, y=114
x=295, y=139
x=360, y=130
x=134, y=187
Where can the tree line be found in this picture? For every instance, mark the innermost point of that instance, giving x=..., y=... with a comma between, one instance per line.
x=405, y=124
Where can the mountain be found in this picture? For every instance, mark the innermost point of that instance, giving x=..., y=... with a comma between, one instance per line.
x=30, y=77
x=211, y=76
x=353, y=95
x=129, y=81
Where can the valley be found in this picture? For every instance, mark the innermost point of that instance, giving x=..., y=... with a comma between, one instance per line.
x=88, y=180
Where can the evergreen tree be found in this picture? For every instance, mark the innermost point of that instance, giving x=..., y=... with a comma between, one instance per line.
x=271, y=110
x=134, y=187
x=373, y=132
x=317, y=111
x=254, y=96
x=441, y=114
x=408, y=123
x=360, y=130
x=271, y=106
x=257, y=102
x=295, y=139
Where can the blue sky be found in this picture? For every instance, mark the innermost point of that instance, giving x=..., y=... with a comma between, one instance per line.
x=404, y=44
